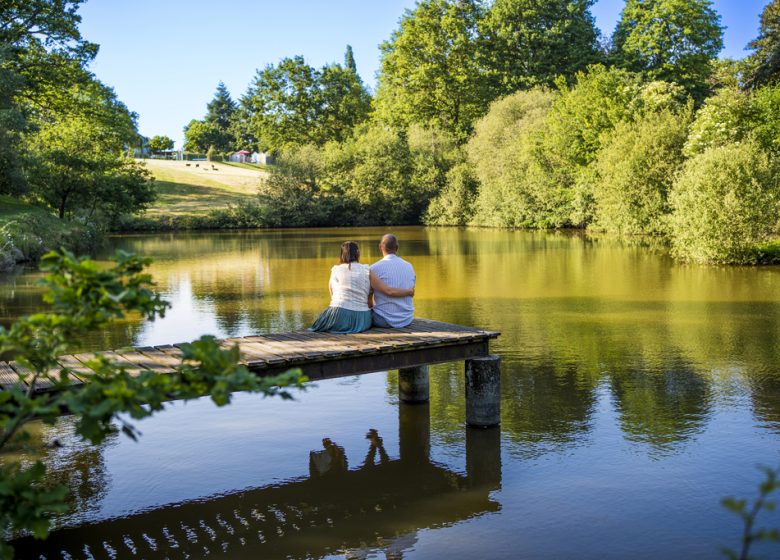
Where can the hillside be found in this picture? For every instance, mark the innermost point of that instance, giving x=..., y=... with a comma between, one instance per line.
x=194, y=189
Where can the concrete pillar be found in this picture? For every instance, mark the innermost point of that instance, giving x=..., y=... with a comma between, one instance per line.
x=483, y=391
x=413, y=386
x=414, y=433
x=483, y=457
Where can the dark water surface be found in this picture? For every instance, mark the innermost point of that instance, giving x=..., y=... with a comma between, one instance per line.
x=637, y=392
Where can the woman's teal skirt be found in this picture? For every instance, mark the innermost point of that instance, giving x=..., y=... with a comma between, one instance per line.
x=342, y=321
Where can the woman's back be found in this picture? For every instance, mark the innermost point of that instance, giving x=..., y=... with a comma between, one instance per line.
x=350, y=285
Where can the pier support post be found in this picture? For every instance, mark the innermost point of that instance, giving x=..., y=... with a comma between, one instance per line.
x=413, y=385
x=483, y=391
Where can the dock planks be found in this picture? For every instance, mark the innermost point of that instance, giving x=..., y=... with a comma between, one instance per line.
x=318, y=355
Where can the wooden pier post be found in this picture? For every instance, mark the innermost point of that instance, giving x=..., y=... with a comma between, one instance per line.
x=413, y=385
x=483, y=391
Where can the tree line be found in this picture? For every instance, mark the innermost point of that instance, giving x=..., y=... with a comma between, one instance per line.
x=502, y=113
x=516, y=113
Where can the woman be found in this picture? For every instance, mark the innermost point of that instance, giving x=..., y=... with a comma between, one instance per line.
x=351, y=294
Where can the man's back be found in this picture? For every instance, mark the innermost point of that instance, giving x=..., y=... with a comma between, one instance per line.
x=396, y=273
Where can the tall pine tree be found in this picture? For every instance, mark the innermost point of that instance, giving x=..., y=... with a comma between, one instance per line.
x=220, y=109
x=219, y=115
x=349, y=60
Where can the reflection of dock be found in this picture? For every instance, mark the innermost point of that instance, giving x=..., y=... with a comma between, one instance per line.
x=338, y=509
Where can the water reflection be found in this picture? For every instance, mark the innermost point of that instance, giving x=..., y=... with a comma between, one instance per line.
x=661, y=408
x=378, y=507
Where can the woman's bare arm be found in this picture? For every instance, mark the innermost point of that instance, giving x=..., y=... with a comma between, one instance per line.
x=379, y=286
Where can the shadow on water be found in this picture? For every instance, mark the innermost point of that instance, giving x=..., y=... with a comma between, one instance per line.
x=377, y=507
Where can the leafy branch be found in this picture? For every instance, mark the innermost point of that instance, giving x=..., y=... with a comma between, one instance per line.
x=749, y=512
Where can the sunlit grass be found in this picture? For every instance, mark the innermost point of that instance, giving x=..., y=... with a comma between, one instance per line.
x=189, y=188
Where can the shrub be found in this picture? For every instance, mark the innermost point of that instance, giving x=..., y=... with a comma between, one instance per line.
x=369, y=178
x=515, y=188
x=453, y=206
x=724, y=118
x=635, y=171
x=725, y=203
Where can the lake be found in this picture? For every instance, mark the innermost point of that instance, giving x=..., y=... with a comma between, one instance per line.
x=637, y=392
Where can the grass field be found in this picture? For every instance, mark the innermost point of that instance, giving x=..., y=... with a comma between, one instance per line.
x=12, y=210
x=187, y=190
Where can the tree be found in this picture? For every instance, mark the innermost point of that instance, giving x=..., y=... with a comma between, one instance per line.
x=160, y=143
x=454, y=204
x=733, y=115
x=764, y=63
x=76, y=173
x=292, y=104
x=725, y=201
x=430, y=73
x=74, y=160
x=344, y=103
x=11, y=125
x=85, y=298
x=40, y=44
x=292, y=193
x=349, y=60
x=220, y=113
x=527, y=43
x=220, y=110
x=199, y=135
x=671, y=40
x=281, y=104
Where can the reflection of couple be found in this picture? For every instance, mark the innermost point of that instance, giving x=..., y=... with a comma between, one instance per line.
x=362, y=296
x=332, y=459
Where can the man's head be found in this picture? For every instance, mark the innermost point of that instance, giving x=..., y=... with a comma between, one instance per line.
x=389, y=244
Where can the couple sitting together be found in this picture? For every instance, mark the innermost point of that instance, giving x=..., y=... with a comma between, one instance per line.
x=363, y=296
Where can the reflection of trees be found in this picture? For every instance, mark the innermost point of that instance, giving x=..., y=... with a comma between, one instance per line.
x=765, y=392
x=70, y=462
x=546, y=404
x=661, y=408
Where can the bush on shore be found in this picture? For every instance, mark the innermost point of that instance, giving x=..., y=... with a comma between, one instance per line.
x=725, y=205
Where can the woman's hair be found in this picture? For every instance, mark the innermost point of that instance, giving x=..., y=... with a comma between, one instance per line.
x=350, y=252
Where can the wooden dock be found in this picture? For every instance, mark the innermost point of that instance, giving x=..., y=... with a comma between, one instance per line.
x=318, y=355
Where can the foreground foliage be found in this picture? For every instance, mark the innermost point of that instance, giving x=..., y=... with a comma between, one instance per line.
x=749, y=512
x=84, y=298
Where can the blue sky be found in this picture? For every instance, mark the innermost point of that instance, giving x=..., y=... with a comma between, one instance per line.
x=165, y=58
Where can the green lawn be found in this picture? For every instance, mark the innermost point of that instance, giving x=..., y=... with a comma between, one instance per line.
x=12, y=210
x=252, y=166
x=191, y=188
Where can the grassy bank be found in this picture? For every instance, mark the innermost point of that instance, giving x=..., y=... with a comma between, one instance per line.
x=190, y=191
x=27, y=232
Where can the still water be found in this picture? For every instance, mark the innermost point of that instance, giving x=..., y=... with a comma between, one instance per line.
x=636, y=393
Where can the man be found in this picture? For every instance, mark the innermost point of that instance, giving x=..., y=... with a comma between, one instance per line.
x=395, y=312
